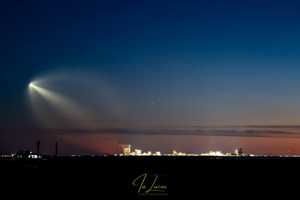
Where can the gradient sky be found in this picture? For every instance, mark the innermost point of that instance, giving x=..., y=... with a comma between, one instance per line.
x=171, y=63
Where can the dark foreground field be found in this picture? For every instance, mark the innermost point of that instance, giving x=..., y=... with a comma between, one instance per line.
x=149, y=177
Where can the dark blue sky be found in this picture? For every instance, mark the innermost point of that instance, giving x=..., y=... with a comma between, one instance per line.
x=206, y=62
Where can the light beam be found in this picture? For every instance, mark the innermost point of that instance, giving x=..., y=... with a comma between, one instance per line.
x=68, y=108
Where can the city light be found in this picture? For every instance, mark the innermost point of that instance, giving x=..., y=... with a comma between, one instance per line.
x=127, y=150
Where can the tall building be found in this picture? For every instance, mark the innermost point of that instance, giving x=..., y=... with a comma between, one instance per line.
x=126, y=149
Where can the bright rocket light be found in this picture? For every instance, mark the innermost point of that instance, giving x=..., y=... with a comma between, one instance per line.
x=62, y=104
x=61, y=100
x=32, y=86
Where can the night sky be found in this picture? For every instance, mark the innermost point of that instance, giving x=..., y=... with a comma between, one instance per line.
x=133, y=69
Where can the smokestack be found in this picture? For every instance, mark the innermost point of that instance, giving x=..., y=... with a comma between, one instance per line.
x=38, y=143
x=56, y=149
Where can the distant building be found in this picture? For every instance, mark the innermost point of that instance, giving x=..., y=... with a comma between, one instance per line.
x=138, y=152
x=126, y=149
x=238, y=152
x=26, y=154
x=213, y=153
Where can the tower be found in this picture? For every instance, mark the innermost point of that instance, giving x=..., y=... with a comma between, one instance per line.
x=56, y=148
x=38, y=143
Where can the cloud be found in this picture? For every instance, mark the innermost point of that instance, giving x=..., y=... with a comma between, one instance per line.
x=246, y=131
